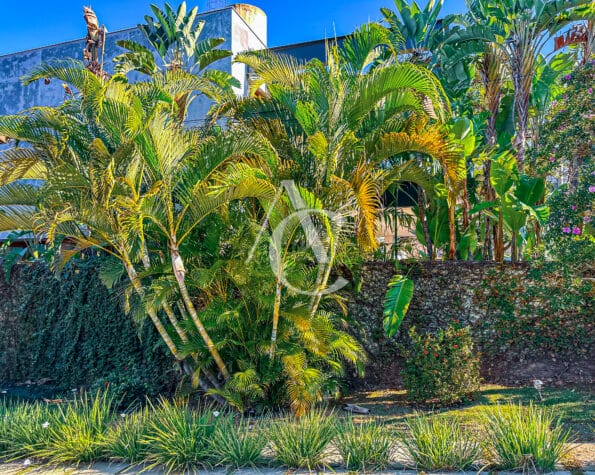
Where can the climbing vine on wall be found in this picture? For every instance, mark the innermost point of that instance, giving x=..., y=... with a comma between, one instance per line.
x=72, y=332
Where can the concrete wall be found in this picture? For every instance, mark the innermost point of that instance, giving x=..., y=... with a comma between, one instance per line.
x=242, y=26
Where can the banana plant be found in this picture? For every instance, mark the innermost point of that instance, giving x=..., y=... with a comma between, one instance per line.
x=186, y=59
x=396, y=303
x=519, y=30
x=518, y=202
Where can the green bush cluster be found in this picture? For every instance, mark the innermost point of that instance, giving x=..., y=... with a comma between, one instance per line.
x=71, y=331
x=440, y=368
x=172, y=436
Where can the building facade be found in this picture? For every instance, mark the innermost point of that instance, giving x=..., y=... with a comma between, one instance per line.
x=244, y=27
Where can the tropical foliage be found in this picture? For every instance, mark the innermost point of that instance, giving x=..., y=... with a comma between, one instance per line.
x=234, y=240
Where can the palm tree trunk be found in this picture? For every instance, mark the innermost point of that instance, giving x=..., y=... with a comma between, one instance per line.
x=179, y=273
x=133, y=276
x=421, y=206
x=523, y=70
x=491, y=70
x=276, y=308
x=166, y=306
x=499, y=244
x=452, y=247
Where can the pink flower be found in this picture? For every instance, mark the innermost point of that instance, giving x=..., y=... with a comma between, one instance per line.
x=592, y=189
x=590, y=90
x=567, y=77
x=552, y=159
x=566, y=230
x=573, y=207
x=576, y=230
x=587, y=219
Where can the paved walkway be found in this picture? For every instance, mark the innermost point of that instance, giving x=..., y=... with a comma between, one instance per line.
x=120, y=469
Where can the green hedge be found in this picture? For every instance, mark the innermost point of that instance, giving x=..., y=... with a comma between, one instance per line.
x=73, y=332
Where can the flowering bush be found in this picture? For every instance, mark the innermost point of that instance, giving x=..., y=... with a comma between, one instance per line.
x=441, y=368
x=564, y=152
x=570, y=230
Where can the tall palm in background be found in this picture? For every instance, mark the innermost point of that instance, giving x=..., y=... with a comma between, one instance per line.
x=519, y=30
x=188, y=64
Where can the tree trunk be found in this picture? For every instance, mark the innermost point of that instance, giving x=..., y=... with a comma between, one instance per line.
x=421, y=205
x=276, y=309
x=452, y=247
x=133, y=276
x=179, y=273
x=491, y=70
x=523, y=70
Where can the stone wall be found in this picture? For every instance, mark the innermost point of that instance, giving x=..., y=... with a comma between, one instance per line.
x=527, y=324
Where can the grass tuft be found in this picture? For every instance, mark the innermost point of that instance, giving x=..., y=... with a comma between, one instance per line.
x=24, y=428
x=177, y=438
x=524, y=437
x=440, y=443
x=364, y=447
x=301, y=442
x=236, y=445
x=77, y=433
x=124, y=441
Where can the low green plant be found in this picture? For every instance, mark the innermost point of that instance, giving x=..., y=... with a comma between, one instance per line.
x=524, y=437
x=77, y=434
x=301, y=442
x=124, y=440
x=177, y=437
x=364, y=447
x=441, y=368
x=440, y=443
x=24, y=428
x=236, y=444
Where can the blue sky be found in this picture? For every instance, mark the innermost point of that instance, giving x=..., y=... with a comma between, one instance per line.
x=29, y=24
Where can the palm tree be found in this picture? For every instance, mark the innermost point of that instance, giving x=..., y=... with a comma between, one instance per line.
x=518, y=30
x=345, y=129
x=118, y=185
x=186, y=60
x=416, y=34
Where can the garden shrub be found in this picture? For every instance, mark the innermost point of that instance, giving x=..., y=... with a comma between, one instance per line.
x=441, y=368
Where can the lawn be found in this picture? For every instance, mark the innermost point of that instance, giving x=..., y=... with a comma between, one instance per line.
x=575, y=406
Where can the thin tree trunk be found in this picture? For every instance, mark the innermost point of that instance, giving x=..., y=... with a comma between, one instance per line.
x=452, y=247
x=179, y=273
x=276, y=309
x=523, y=70
x=499, y=244
x=421, y=204
x=491, y=70
x=133, y=276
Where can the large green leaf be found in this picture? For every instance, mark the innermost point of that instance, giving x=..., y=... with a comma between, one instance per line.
x=530, y=190
x=396, y=303
x=504, y=173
